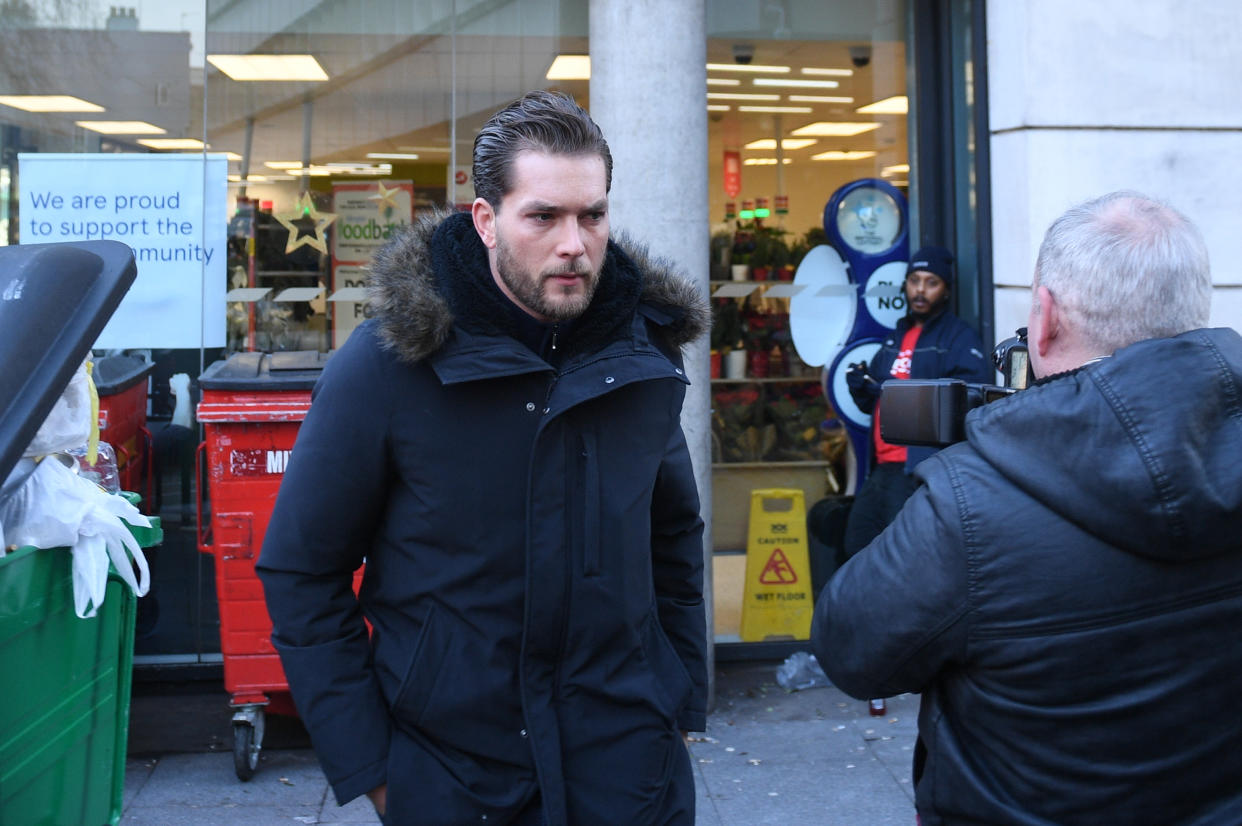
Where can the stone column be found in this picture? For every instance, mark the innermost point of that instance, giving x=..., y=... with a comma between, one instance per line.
x=649, y=95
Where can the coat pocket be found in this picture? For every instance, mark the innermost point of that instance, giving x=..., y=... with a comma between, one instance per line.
x=421, y=674
x=670, y=672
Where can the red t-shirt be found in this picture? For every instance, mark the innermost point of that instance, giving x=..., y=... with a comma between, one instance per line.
x=885, y=452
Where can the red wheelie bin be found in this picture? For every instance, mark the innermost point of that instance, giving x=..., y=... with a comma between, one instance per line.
x=252, y=406
x=122, y=385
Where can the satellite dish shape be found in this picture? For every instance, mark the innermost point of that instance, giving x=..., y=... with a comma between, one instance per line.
x=821, y=315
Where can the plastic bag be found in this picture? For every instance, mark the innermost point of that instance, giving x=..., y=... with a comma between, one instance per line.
x=103, y=471
x=69, y=423
x=56, y=508
x=800, y=671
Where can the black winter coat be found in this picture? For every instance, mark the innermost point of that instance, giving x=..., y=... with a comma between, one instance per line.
x=1066, y=592
x=532, y=542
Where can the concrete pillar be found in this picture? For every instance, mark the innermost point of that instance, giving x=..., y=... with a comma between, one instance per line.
x=649, y=95
x=1087, y=98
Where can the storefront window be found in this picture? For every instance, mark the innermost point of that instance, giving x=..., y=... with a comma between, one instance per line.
x=803, y=99
x=256, y=153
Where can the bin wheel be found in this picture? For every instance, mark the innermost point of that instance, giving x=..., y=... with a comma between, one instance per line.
x=245, y=751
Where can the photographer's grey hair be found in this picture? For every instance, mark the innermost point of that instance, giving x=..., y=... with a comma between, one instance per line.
x=1126, y=267
x=540, y=121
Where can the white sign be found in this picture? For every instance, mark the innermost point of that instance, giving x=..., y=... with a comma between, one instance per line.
x=349, y=283
x=170, y=209
x=885, y=295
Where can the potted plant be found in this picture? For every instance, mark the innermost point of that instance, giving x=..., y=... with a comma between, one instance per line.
x=721, y=251
x=761, y=258
x=779, y=259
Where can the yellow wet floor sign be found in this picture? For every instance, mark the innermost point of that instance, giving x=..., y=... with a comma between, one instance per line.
x=777, y=601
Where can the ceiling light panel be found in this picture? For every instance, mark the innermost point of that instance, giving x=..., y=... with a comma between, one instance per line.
x=896, y=105
x=269, y=67
x=171, y=143
x=777, y=110
x=814, y=71
x=752, y=68
x=121, y=127
x=723, y=81
x=49, y=103
x=570, y=67
x=839, y=155
x=819, y=99
x=740, y=96
x=833, y=129
x=786, y=143
x=796, y=83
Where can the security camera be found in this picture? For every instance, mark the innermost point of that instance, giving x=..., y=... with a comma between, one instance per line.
x=743, y=53
x=860, y=56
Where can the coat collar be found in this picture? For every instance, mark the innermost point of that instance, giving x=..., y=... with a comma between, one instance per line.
x=434, y=277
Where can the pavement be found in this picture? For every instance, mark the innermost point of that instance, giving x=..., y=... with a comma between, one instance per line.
x=768, y=757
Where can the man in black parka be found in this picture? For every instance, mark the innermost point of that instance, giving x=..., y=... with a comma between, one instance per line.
x=501, y=444
x=1065, y=589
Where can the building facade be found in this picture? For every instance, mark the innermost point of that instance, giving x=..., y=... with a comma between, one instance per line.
x=296, y=135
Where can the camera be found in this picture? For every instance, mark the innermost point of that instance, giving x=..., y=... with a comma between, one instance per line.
x=743, y=53
x=932, y=412
x=860, y=56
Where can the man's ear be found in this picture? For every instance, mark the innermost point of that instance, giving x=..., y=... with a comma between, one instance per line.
x=1048, y=319
x=484, y=221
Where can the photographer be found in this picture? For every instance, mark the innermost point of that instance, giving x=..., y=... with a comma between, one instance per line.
x=1066, y=587
x=930, y=342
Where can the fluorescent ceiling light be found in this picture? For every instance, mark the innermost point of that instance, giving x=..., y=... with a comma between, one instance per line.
x=776, y=110
x=833, y=129
x=811, y=70
x=895, y=169
x=234, y=177
x=900, y=183
x=172, y=143
x=723, y=81
x=800, y=84
x=423, y=148
x=121, y=127
x=739, y=96
x=786, y=143
x=896, y=105
x=392, y=156
x=263, y=67
x=232, y=156
x=819, y=99
x=570, y=67
x=764, y=161
x=839, y=155
x=49, y=103
x=283, y=164
x=718, y=107
x=750, y=67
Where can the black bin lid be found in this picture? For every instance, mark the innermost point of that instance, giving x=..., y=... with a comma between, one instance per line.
x=112, y=374
x=293, y=370
x=54, y=302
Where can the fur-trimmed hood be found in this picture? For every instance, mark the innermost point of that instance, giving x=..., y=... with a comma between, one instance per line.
x=434, y=274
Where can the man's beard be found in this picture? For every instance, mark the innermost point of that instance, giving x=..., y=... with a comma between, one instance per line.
x=932, y=309
x=532, y=291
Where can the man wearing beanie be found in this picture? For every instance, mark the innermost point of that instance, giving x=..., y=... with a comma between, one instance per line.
x=930, y=342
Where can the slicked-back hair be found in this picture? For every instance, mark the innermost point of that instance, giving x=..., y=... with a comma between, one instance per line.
x=1126, y=267
x=541, y=121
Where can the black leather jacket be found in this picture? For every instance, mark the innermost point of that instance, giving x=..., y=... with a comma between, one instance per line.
x=1066, y=593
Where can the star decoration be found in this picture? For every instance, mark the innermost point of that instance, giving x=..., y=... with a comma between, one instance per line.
x=386, y=197
x=306, y=225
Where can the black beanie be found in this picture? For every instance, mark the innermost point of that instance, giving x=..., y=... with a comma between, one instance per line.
x=933, y=259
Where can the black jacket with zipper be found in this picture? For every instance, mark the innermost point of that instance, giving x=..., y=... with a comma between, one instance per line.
x=532, y=542
x=1066, y=591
